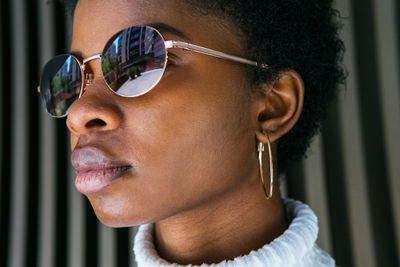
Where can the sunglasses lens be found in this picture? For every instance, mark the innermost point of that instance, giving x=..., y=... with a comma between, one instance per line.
x=60, y=84
x=134, y=60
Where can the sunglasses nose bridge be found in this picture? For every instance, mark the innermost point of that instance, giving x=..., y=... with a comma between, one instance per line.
x=86, y=60
x=88, y=76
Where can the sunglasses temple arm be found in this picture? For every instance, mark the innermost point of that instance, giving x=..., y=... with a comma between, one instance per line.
x=210, y=52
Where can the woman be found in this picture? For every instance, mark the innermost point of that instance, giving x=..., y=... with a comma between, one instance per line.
x=182, y=115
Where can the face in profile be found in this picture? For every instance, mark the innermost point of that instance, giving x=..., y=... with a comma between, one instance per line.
x=181, y=146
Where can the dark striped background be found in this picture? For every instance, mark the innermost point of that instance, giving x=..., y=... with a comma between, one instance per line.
x=351, y=177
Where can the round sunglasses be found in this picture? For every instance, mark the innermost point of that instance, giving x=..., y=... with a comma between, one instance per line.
x=133, y=61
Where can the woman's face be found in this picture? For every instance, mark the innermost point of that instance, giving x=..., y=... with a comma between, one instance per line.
x=188, y=142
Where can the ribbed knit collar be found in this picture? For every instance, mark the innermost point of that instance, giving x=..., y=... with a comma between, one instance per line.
x=295, y=247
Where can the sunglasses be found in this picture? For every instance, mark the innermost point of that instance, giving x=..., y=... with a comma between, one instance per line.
x=132, y=63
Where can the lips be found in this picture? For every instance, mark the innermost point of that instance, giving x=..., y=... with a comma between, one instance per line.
x=95, y=170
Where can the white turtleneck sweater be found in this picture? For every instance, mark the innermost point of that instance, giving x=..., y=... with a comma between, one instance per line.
x=295, y=247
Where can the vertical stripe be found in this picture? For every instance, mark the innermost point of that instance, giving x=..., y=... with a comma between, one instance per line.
x=47, y=194
x=33, y=136
x=76, y=222
x=7, y=139
x=2, y=36
x=62, y=191
x=3, y=200
x=357, y=194
x=107, y=248
x=122, y=249
x=397, y=27
x=315, y=187
x=48, y=154
x=389, y=85
x=336, y=191
x=19, y=174
x=91, y=257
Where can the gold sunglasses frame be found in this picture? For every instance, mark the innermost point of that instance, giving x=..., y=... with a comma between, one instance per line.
x=167, y=45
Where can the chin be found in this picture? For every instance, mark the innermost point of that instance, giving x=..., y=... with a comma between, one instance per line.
x=115, y=214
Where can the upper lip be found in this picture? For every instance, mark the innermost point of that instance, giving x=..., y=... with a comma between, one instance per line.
x=91, y=158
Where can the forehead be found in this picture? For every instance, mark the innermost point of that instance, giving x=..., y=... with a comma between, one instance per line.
x=95, y=21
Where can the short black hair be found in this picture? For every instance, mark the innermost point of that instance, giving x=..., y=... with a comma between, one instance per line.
x=288, y=34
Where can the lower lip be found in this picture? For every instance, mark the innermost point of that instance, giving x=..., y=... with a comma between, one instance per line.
x=96, y=180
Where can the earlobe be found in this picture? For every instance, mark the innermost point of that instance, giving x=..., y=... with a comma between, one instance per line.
x=280, y=105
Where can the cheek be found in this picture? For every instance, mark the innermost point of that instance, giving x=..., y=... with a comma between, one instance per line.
x=203, y=143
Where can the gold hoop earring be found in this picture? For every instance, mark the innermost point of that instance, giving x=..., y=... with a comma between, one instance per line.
x=271, y=167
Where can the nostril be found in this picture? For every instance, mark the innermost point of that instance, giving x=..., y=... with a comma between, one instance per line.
x=95, y=122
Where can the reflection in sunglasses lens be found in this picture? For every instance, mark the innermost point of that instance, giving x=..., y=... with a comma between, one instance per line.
x=133, y=60
x=60, y=84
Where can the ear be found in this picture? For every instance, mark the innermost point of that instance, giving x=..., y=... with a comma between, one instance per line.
x=279, y=105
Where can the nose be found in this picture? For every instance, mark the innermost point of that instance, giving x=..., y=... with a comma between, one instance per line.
x=95, y=111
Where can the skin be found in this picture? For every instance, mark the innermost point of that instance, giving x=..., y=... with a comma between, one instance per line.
x=191, y=140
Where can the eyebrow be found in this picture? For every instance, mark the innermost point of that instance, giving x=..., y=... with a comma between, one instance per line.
x=165, y=28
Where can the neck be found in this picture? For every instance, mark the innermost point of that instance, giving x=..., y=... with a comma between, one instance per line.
x=233, y=225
